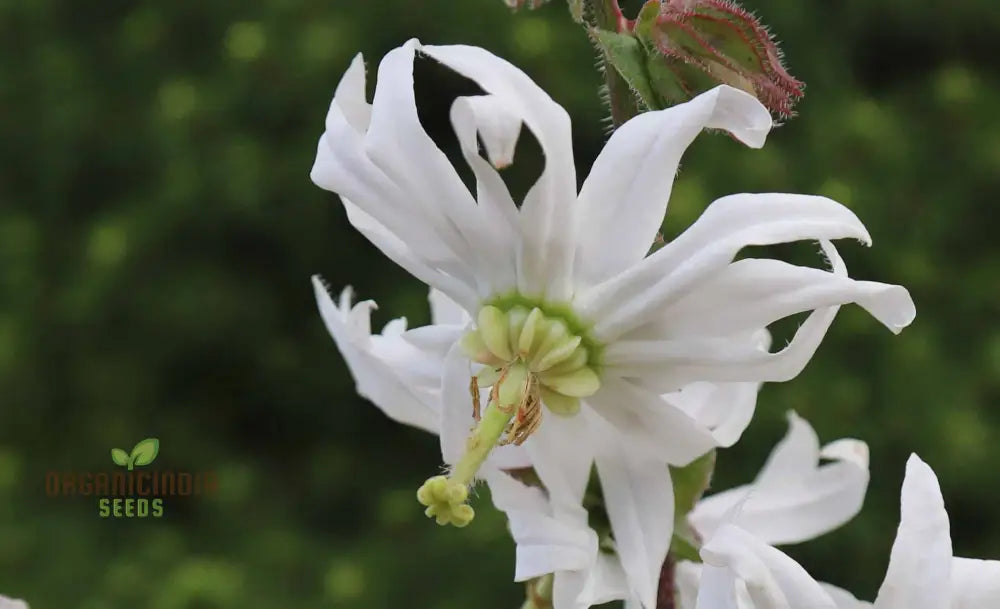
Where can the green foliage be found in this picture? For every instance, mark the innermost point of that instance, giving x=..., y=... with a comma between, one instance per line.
x=158, y=230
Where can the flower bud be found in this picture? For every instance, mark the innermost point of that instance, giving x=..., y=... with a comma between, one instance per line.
x=677, y=49
x=518, y=4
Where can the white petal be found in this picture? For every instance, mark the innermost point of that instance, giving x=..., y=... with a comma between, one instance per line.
x=623, y=200
x=387, y=375
x=753, y=293
x=725, y=409
x=446, y=311
x=10, y=603
x=395, y=174
x=636, y=296
x=605, y=582
x=546, y=222
x=454, y=287
x=669, y=364
x=487, y=117
x=383, y=212
x=456, y=405
x=562, y=455
x=399, y=146
x=546, y=542
x=794, y=498
x=639, y=498
x=687, y=577
x=794, y=457
x=920, y=563
x=843, y=598
x=975, y=584
x=772, y=579
x=351, y=97
x=654, y=427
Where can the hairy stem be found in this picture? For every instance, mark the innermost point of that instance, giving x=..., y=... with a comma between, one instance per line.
x=607, y=15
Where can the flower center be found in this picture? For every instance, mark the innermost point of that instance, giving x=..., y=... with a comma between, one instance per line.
x=530, y=358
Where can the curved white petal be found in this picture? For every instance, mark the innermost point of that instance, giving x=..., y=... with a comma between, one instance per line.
x=772, y=579
x=725, y=409
x=655, y=427
x=350, y=95
x=545, y=259
x=486, y=117
x=639, y=499
x=445, y=311
x=919, y=570
x=636, y=296
x=401, y=185
x=388, y=370
x=399, y=146
x=11, y=603
x=754, y=293
x=844, y=599
x=562, y=456
x=975, y=584
x=687, y=578
x=556, y=539
x=547, y=541
x=623, y=200
x=794, y=497
x=456, y=405
x=672, y=363
x=445, y=276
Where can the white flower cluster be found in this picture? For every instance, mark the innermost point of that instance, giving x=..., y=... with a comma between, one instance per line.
x=559, y=343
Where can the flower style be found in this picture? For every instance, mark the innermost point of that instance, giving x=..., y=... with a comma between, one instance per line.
x=741, y=570
x=576, y=329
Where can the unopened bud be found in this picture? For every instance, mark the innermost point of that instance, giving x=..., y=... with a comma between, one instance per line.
x=519, y=4
x=677, y=49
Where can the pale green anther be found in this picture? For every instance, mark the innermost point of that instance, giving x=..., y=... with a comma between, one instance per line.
x=531, y=326
x=580, y=383
x=475, y=349
x=488, y=375
x=555, y=333
x=556, y=354
x=577, y=359
x=493, y=329
x=515, y=323
x=557, y=403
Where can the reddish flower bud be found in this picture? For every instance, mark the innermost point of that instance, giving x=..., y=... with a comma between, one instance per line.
x=686, y=47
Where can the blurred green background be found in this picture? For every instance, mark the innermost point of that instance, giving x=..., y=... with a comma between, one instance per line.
x=158, y=229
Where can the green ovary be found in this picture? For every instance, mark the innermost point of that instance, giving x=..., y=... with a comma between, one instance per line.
x=531, y=358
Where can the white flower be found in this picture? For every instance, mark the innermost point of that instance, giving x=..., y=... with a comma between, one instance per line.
x=399, y=370
x=564, y=301
x=794, y=498
x=742, y=571
x=10, y=603
x=922, y=572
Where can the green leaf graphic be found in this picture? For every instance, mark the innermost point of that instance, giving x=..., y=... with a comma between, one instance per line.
x=145, y=452
x=119, y=456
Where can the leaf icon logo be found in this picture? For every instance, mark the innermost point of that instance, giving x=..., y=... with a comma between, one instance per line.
x=144, y=453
